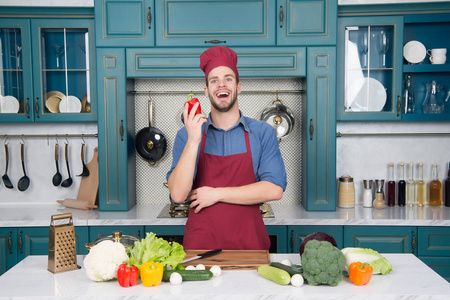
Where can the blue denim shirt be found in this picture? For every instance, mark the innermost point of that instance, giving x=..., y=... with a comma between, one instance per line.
x=268, y=164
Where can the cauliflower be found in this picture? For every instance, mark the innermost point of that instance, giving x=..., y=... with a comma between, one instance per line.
x=103, y=260
x=322, y=263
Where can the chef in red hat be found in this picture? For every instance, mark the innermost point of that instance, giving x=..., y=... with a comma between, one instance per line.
x=225, y=164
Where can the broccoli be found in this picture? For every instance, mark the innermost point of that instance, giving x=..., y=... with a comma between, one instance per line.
x=322, y=263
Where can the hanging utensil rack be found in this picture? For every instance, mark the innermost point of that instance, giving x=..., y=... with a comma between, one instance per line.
x=202, y=92
x=339, y=134
x=82, y=135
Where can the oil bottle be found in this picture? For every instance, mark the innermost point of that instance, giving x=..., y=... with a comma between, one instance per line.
x=421, y=187
x=411, y=187
x=390, y=186
x=435, y=188
x=401, y=197
x=447, y=187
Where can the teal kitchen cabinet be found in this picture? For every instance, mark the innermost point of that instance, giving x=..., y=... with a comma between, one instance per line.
x=370, y=61
x=392, y=239
x=434, y=249
x=8, y=249
x=169, y=233
x=278, y=238
x=124, y=23
x=207, y=23
x=46, y=70
x=299, y=233
x=319, y=123
x=117, y=168
x=306, y=22
x=427, y=29
x=18, y=243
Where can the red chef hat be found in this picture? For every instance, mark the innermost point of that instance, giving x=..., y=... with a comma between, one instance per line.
x=218, y=56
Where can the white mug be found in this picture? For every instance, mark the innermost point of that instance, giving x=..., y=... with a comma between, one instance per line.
x=437, y=56
x=438, y=60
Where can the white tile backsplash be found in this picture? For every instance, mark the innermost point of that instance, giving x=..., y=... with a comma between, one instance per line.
x=368, y=157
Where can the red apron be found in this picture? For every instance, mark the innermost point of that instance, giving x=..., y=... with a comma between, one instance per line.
x=222, y=225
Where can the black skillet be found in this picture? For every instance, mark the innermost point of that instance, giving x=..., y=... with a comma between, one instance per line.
x=150, y=142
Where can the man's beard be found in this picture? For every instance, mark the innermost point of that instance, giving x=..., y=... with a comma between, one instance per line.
x=226, y=108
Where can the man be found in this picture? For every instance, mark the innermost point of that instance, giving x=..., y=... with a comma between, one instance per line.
x=226, y=164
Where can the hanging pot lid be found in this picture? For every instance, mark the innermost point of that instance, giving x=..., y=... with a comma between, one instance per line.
x=280, y=117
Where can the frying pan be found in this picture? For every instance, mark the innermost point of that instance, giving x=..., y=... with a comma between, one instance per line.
x=280, y=117
x=150, y=142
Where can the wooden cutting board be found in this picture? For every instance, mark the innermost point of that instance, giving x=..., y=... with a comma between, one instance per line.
x=231, y=259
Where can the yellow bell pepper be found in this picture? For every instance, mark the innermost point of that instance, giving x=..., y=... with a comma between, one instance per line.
x=151, y=273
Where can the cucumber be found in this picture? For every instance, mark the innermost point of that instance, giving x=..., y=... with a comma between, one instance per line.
x=188, y=275
x=275, y=274
x=291, y=270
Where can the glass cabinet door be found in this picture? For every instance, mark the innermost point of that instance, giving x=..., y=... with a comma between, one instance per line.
x=65, y=80
x=15, y=87
x=370, y=65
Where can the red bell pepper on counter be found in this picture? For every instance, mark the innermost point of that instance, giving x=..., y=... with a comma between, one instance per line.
x=127, y=275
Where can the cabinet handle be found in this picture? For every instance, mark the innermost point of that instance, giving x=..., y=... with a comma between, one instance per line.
x=10, y=243
x=27, y=108
x=149, y=18
x=121, y=130
x=139, y=233
x=413, y=243
x=215, y=42
x=36, y=107
x=20, y=242
x=311, y=129
x=281, y=16
x=399, y=105
x=292, y=241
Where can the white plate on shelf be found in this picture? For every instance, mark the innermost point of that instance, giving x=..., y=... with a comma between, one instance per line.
x=414, y=52
x=70, y=104
x=368, y=95
x=9, y=104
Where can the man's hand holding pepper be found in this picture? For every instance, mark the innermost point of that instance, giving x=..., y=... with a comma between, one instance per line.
x=193, y=123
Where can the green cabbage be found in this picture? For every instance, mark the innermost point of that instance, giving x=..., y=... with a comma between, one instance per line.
x=155, y=249
x=379, y=264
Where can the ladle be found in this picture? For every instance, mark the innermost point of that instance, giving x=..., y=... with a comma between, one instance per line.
x=5, y=177
x=85, y=169
x=68, y=182
x=24, y=182
x=57, y=178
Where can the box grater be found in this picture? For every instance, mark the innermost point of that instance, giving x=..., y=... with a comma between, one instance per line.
x=62, y=253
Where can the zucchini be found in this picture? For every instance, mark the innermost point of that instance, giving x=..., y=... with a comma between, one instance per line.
x=295, y=269
x=188, y=275
x=275, y=274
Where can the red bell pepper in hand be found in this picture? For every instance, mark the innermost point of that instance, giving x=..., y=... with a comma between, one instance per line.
x=127, y=275
x=191, y=102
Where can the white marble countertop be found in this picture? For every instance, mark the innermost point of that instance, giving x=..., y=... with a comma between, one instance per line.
x=411, y=279
x=145, y=215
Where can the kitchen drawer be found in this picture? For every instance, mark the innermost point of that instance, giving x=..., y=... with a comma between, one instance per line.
x=434, y=241
x=440, y=265
x=381, y=238
x=184, y=63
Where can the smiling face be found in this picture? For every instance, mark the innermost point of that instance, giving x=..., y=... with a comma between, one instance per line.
x=222, y=89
